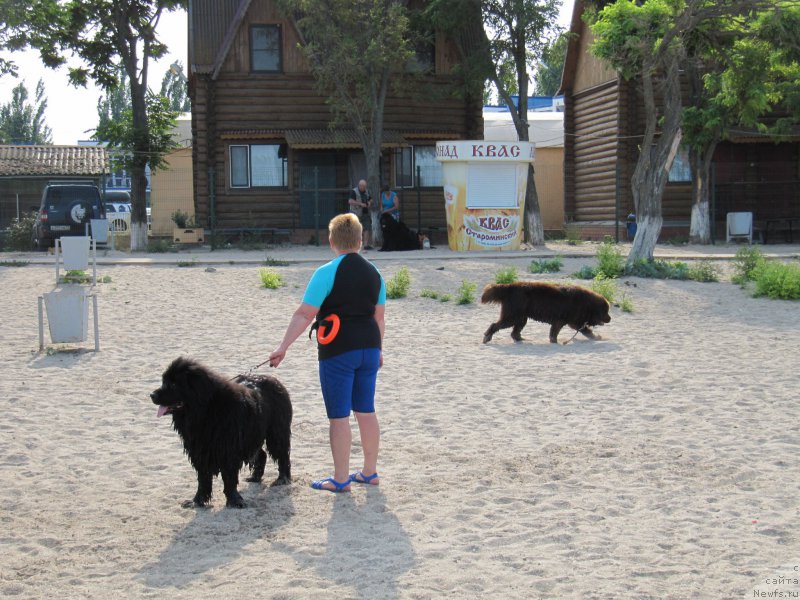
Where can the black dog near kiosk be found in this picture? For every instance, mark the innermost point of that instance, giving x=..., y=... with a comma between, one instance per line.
x=398, y=236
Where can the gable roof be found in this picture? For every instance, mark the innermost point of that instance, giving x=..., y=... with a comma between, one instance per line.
x=49, y=161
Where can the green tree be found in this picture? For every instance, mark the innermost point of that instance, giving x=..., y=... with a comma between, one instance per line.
x=22, y=122
x=499, y=40
x=551, y=66
x=356, y=49
x=112, y=105
x=175, y=88
x=106, y=35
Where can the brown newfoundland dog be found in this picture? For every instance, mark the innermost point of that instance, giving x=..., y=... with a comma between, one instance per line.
x=551, y=303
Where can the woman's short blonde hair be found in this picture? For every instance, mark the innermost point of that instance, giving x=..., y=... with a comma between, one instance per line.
x=344, y=232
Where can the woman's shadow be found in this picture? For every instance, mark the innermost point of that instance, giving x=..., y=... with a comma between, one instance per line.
x=367, y=549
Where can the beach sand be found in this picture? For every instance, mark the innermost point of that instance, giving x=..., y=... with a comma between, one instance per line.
x=659, y=462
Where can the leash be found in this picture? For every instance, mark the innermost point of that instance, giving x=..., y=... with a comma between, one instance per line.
x=577, y=331
x=249, y=371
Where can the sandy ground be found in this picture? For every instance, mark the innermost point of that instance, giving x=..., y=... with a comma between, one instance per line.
x=660, y=461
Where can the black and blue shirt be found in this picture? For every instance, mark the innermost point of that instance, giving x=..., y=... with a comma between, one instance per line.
x=349, y=287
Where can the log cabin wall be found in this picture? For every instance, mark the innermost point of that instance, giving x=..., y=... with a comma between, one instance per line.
x=243, y=107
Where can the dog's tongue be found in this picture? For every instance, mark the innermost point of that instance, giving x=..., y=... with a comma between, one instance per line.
x=162, y=410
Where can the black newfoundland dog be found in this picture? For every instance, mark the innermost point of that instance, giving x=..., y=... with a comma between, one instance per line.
x=224, y=424
x=397, y=235
x=551, y=303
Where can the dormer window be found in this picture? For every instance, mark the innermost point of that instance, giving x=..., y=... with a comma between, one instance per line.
x=265, y=49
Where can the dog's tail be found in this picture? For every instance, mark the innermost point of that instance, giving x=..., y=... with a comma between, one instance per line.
x=495, y=293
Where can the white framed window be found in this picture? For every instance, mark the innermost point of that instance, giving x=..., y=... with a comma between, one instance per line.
x=409, y=162
x=257, y=165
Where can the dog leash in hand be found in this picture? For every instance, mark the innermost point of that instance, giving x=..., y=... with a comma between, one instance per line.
x=249, y=371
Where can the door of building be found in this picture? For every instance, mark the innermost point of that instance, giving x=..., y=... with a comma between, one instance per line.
x=317, y=189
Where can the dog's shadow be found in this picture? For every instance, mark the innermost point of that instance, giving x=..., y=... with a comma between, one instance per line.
x=534, y=348
x=367, y=549
x=214, y=538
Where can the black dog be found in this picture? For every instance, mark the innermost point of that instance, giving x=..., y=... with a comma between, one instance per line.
x=551, y=303
x=397, y=235
x=224, y=424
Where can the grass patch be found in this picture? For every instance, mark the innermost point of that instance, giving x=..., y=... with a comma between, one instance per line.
x=625, y=303
x=466, y=293
x=659, y=269
x=14, y=263
x=426, y=293
x=161, y=246
x=586, y=272
x=76, y=276
x=746, y=261
x=552, y=265
x=777, y=280
x=270, y=279
x=274, y=262
x=606, y=287
x=445, y=297
x=506, y=275
x=187, y=263
x=397, y=286
x=704, y=272
x=610, y=262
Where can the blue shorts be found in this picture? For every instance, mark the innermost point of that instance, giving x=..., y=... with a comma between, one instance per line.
x=348, y=382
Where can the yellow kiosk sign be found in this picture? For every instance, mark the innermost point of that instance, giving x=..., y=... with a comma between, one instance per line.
x=484, y=192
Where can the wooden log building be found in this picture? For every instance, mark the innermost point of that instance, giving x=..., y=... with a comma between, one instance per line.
x=264, y=154
x=603, y=124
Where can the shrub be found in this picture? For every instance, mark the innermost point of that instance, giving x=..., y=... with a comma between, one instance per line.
x=777, y=280
x=274, y=262
x=747, y=259
x=625, y=303
x=180, y=218
x=397, y=286
x=429, y=294
x=466, y=293
x=20, y=233
x=659, y=269
x=76, y=276
x=586, y=272
x=610, y=261
x=445, y=298
x=606, y=287
x=270, y=279
x=507, y=275
x=160, y=246
x=546, y=266
x=704, y=271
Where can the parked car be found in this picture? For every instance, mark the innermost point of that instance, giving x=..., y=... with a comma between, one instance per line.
x=66, y=209
x=118, y=215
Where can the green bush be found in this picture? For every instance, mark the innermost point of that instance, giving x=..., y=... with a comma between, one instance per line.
x=777, y=280
x=586, y=272
x=20, y=233
x=270, y=279
x=506, y=275
x=610, y=261
x=161, y=245
x=445, y=298
x=704, y=272
x=397, y=286
x=546, y=266
x=426, y=293
x=659, y=269
x=747, y=259
x=606, y=287
x=625, y=303
x=466, y=293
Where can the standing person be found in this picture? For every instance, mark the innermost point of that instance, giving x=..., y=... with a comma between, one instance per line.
x=390, y=203
x=360, y=201
x=347, y=297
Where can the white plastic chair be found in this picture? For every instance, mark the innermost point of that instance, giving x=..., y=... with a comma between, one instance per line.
x=739, y=226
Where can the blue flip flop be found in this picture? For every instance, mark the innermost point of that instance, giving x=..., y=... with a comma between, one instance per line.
x=338, y=487
x=364, y=478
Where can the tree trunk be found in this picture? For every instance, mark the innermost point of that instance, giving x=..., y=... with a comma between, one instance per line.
x=372, y=154
x=534, y=228
x=700, y=162
x=140, y=151
x=655, y=159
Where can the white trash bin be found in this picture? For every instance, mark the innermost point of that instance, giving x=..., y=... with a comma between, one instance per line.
x=67, y=315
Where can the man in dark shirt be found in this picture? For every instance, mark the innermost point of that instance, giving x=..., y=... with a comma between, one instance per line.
x=360, y=201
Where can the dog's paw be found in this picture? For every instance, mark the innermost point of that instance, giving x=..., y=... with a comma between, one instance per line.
x=195, y=504
x=281, y=481
x=253, y=479
x=236, y=502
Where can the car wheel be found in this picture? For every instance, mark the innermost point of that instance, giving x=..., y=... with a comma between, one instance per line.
x=79, y=212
